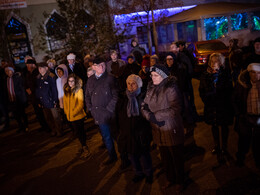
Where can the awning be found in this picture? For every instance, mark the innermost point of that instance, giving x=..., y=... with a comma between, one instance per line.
x=212, y=10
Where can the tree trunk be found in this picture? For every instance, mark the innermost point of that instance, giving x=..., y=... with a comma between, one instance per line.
x=149, y=34
x=154, y=30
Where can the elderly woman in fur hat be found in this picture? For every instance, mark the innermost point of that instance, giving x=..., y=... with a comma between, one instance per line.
x=162, y=107
x=73, y=101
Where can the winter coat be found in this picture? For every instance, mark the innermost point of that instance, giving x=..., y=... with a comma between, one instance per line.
x=116, y=69
x=60, y=82
x=101, y=96
x=164, y=101
x=239, y=99
x=217, y=98
x=135, y=131
x=80, y=71
x=46, y=90
x=19, y=90
x=74, y=102
x=30, y=82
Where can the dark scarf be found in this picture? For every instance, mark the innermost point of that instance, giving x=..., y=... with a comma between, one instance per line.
x=132, y=105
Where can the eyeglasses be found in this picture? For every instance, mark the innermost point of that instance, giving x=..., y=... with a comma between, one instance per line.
x=71, y=81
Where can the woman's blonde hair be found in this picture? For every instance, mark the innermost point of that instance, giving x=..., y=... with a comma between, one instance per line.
x=220, y=57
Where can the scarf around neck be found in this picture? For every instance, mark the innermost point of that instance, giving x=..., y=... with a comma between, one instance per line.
x=132, y=105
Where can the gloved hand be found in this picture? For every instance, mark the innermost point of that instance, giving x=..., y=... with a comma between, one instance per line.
x=153, y=120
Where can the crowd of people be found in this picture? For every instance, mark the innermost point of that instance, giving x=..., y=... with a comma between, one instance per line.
x=140, y=103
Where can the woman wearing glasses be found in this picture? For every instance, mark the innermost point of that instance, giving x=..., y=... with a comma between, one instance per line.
x=74, y=109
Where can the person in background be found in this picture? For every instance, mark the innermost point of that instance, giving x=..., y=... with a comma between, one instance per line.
x=74, y=109
x=137, y=51
x=76, y=68
x=154, y=60
x=162, y=107
x=101, y=97
x=15, y=97
x=246, y=101
x=255, y=56
x=52, y=65
x=135, y=130
x=115, y=66
x=30, y=87
x=47, y=98
x=144, y=73
x=216, y=91
x=62, y=75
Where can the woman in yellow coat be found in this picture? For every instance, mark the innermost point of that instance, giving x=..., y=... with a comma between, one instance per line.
x=74, y=109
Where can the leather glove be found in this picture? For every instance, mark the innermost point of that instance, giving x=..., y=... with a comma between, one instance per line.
x=152, y=119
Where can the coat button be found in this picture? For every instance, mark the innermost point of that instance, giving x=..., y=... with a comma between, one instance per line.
x=96, y=107
x=40, y=97
x=95, y=93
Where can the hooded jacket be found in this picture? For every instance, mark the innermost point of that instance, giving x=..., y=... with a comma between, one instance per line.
x=74, y=101
x=60, y=82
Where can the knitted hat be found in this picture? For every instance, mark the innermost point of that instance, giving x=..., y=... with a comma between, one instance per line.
x=161, y=70
x=9, y=68
x=254, y=67
x=136, y=78
x=71, y=56
x=146, y=60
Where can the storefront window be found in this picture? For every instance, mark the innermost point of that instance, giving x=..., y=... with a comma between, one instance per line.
x=187, y=31
x=56, y=28
x=239, y=21
x=216, y=27
x=256, y=21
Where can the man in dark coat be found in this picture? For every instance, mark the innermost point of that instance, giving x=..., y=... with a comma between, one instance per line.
x=30, y=87
x=76, y=68
x=137, y=51
x=254, y=57
x=101, y=98
x=246, y=101
x=47, y=97
x=15, y=97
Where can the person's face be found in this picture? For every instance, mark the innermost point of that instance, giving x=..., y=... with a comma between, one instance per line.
x=157, y=79
x=71, y=82
x=257, y=47
x=144, y=69
x=254, y=76
x=60, y=73
x=114, y=57
x=174, y=48
x=43, y=70
x=99, y=68
x=30, y=67
x=132, y=86
x=134, y=43
x=130, y=60
x=50, y=65
x=215, y=64
x=71, y=61
x=181, y=47
x=8, y=72
x=169, y=61
x=152, y=62
x=90, y=63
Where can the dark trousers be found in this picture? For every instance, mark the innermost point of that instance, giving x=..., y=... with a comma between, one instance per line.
x=173, y=162
x=52, y=118
x=40, y=116
x=249, y=132
x=224, y=135
x=18, y=111
x=78, y=128
x=142, y=163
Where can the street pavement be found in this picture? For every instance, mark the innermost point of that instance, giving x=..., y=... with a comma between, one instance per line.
x=36, y=163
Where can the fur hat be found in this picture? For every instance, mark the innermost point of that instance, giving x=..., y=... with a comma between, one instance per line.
x=71, y=56
x=136, y=78
x=254, y=67
x=161, y=70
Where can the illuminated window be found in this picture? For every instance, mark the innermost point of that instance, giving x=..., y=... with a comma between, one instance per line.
x=239, y=21
x=256, y=21
x=216, y=27
x=56, y=28
x=165, y=33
